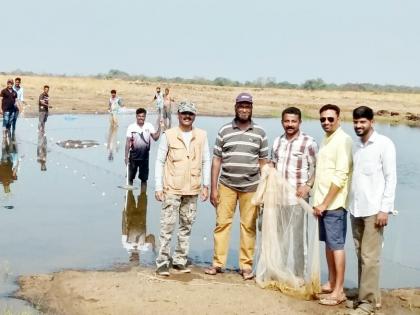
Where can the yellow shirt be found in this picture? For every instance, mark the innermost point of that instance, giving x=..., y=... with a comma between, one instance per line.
x=333, y=166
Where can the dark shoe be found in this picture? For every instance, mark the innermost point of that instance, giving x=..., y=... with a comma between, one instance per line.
x=181, y=268
x=163, y=271
x=213, y=270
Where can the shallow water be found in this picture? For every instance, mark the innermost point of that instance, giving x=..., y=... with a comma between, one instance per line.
x=70, y=215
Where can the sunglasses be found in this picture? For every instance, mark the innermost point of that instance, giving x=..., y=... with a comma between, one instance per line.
x=187, y=113
x=330, y=119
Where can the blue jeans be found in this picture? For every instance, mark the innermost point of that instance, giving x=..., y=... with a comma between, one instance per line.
x=8, y=119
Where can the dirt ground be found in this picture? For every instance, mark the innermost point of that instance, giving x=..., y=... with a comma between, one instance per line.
x=137, y=290
x=90, y=95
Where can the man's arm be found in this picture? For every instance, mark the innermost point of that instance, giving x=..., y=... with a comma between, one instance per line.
x=155, y=136
x=160, y=162
x=206, y=170
x=215, y=171
x=127, y=149
x=303, y=190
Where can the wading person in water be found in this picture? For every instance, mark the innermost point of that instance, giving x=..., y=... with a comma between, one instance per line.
x=137, y=147
x=240, y=150
x=182, y=173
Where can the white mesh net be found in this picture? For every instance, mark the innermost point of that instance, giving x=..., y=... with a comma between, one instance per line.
x=285, y=261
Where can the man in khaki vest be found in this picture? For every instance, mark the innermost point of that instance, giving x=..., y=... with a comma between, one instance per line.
x=182, y=172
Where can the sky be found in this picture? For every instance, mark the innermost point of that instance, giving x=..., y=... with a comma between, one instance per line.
x=375, y=41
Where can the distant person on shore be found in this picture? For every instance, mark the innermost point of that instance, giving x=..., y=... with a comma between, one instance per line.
x=114, y=105
x=19, y=103
x=167, y=109
x=182, y=173
x=8, y=108
x=294, y=156
x=332, y=177
x=158, y=99
x=137, y=147
x=372, y=196
x=44, y=106
x=241, y=149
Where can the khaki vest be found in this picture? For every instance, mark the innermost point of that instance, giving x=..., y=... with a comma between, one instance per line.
x=183, y=168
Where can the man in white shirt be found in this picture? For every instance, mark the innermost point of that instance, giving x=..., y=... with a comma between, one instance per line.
x=372, y=197
x=19, y=102
x=137, y=146
x=158, y=98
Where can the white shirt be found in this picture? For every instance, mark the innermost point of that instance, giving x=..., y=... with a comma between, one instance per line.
x=146, y=129
x=374, y=176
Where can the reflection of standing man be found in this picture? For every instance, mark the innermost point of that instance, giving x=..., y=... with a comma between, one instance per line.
x=134, y=217
x=158, y=98
x=137, y=147
x=182, y=166
x=372, y=197
x=19, y=102
x=44, y=105
x=294, y=155
x=330, y=196
x=167, y=109
x=41, y=151
x=114, y=105
x=9, y=164
x=8, y=108
x=240, y=150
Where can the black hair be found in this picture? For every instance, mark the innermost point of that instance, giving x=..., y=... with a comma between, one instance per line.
x=293, y=111
x=141, y=111
x=113, y=92
x=332, y=107
x=18, y=79
x=46, y=86
x=363, y=112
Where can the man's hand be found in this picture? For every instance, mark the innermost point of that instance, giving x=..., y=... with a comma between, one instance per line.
x=126, y=160
x=204, y=193
x=159, y=195
x=318, y=210
x=303, y=191
x=381, y=219
x=214, y=197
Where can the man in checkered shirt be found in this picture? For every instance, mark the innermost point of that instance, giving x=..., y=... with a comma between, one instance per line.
x=294, y=156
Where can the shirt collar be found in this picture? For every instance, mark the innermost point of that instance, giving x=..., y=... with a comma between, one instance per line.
x=235, y=125
x=330, y=137
x=283, y=136
x=373, y=137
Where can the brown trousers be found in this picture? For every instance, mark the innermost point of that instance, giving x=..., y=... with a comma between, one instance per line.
x=368, y=239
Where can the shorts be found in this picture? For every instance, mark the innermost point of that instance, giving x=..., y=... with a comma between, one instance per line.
x=8, y=118
x=333, y=228
x=142, y=166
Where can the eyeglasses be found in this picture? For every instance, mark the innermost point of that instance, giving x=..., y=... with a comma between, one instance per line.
x=330, y=119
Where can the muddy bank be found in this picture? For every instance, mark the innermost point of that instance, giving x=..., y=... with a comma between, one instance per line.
x=139, y=291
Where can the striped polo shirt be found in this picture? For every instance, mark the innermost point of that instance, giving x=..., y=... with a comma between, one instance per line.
x=240, y=151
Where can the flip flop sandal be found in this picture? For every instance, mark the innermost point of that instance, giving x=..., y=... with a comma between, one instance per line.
x=330, y=301
x=213, y=270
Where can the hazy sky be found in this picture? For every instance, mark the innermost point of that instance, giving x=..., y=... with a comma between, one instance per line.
x=375, y=41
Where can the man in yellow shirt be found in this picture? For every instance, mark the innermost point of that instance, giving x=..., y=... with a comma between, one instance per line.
x=330, y=192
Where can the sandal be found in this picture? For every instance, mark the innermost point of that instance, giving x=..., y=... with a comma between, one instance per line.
x=213, y=270
x=247, y=274
x=333, y=301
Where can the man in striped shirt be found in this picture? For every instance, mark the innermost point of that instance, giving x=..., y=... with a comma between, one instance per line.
x=241, y=149
x=294, y=155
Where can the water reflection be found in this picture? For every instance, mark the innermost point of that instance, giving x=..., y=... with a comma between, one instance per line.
x=111, y=143
x=41, y=150
x=134, y=226
x=9, y=163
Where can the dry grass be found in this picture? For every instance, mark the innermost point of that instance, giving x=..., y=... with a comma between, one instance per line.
x=89, y=95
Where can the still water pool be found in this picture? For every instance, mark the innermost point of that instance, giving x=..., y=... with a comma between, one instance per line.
x=63, y=209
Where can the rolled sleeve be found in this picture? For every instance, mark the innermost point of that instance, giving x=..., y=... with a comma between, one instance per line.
x=263, y=154
x=343, y=163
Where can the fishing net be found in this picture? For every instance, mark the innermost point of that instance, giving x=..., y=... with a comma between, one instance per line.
x=286, y=259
